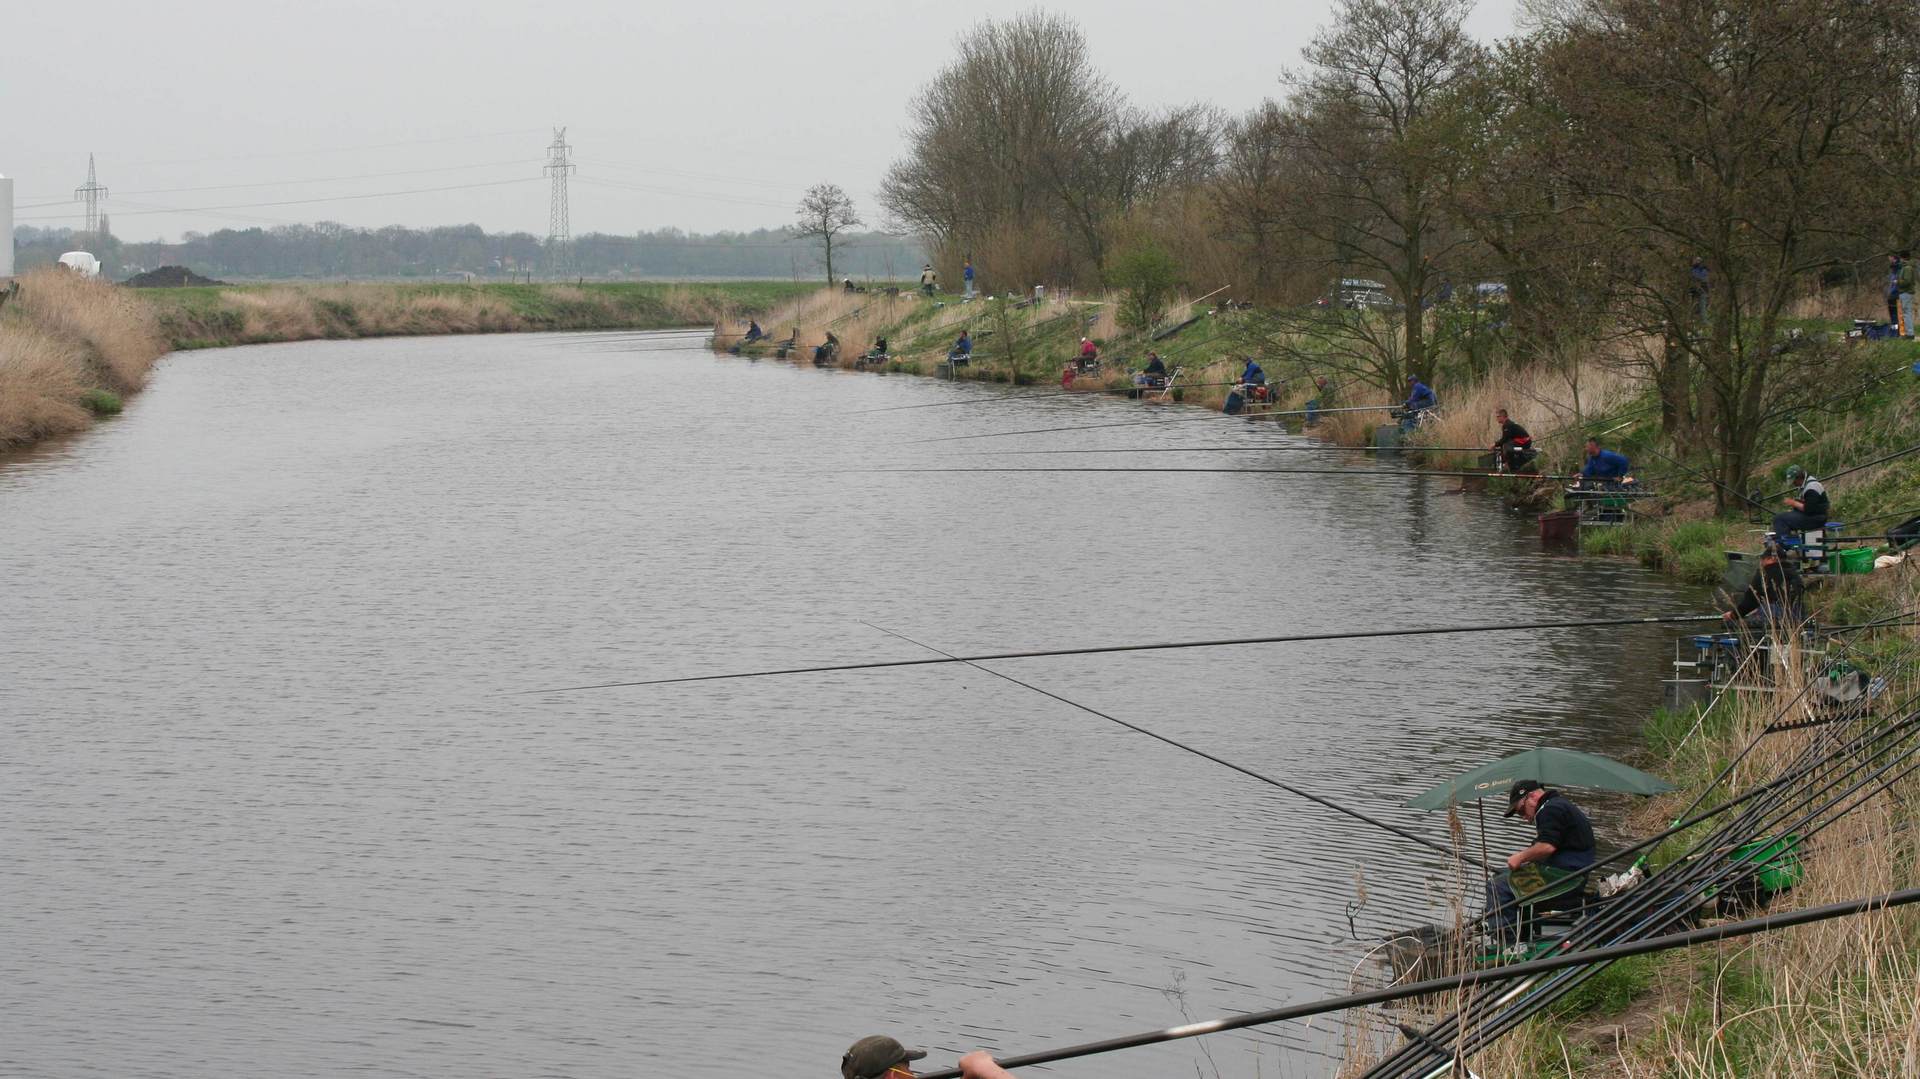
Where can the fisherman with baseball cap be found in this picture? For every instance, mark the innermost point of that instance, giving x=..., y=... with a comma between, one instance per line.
x=877, y=1056
x=1562, y=847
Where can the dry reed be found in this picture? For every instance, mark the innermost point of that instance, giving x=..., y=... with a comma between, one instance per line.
x=61, y=337
x=1553, y=401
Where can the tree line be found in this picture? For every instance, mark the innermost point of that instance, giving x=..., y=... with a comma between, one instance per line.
x=1664, y=178
x=333, y=251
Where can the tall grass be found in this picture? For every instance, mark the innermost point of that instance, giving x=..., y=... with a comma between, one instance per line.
x=1554, y=401
x=118, y=334
x=64, y=342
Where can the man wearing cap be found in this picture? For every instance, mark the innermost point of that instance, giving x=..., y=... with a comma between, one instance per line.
x=880, y=1057
x=1809, y=510
x=877, y=1055
x=1562, y=846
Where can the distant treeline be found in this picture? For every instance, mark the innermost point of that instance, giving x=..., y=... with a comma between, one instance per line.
x=333, y=251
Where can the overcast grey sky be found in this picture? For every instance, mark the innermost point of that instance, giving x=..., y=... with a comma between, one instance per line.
x=697, y=115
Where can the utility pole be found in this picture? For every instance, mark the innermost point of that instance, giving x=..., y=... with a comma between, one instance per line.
x=559, y=231
x=91, y=193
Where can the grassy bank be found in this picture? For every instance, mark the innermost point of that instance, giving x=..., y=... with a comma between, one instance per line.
x=72, y=349
x=1026, y=344
x=215, y=316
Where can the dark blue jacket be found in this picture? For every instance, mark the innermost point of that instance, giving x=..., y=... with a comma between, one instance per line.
x=1253, y=375
x=1421, y=397
x=1605, y=465
x=1562, y=824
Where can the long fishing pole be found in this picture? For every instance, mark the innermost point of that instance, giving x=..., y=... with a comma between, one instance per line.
x=1369, y=473
x=1308, y=795
x=1724, y=874
x=1150, y=423
x=1651, y=909
x=1472, y=978
x=1674, y=893
x=1297, y=638
x=1021, y=398
x=1254, y=447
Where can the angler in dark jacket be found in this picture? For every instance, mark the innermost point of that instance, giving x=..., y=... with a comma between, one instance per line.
x=1515, y=445
x=1809, y=510
x=1562, y=847
x=1775, y=596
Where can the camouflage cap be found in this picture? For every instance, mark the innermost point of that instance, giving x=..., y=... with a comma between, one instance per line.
x=871, y=1056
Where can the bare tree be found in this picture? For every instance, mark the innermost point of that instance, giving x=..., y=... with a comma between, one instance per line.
x=1374, y=130
x=1249, y=190
x=1738, y=132
x=826, y=212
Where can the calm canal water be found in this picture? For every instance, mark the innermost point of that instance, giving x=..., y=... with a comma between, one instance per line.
x=274, y=800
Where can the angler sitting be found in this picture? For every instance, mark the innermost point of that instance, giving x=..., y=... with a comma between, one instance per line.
x=1420, y=400
x=827, y=350
x=1775, y=597
x=1562, y=849
x=961, y=354
x=1809, y=511
x=754, y=333
x=1154, y=374
x=1604, y=467
x=1089, y=359
x=1515, y=445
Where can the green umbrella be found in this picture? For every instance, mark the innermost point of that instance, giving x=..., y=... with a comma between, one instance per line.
x=1553, y=767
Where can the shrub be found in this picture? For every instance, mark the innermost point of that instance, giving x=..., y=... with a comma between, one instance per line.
x=1147, y=276
x=102, y=402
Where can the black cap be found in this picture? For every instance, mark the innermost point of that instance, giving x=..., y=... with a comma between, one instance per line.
x=871, y=1056
x=1518, y=791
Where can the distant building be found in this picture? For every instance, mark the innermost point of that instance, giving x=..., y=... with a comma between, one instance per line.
x=6, y=227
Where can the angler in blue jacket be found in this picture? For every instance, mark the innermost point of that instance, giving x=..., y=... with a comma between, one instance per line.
x=1419, y=399
x=1604, y=466
x=1253, y=375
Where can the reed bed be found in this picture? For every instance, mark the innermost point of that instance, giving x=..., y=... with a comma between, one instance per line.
x=1554, y=401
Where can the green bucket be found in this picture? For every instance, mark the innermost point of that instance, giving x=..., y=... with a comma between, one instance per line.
x=1852, y=560
x=1780, y=856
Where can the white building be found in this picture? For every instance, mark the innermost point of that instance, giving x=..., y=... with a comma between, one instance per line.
x=6, y=227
